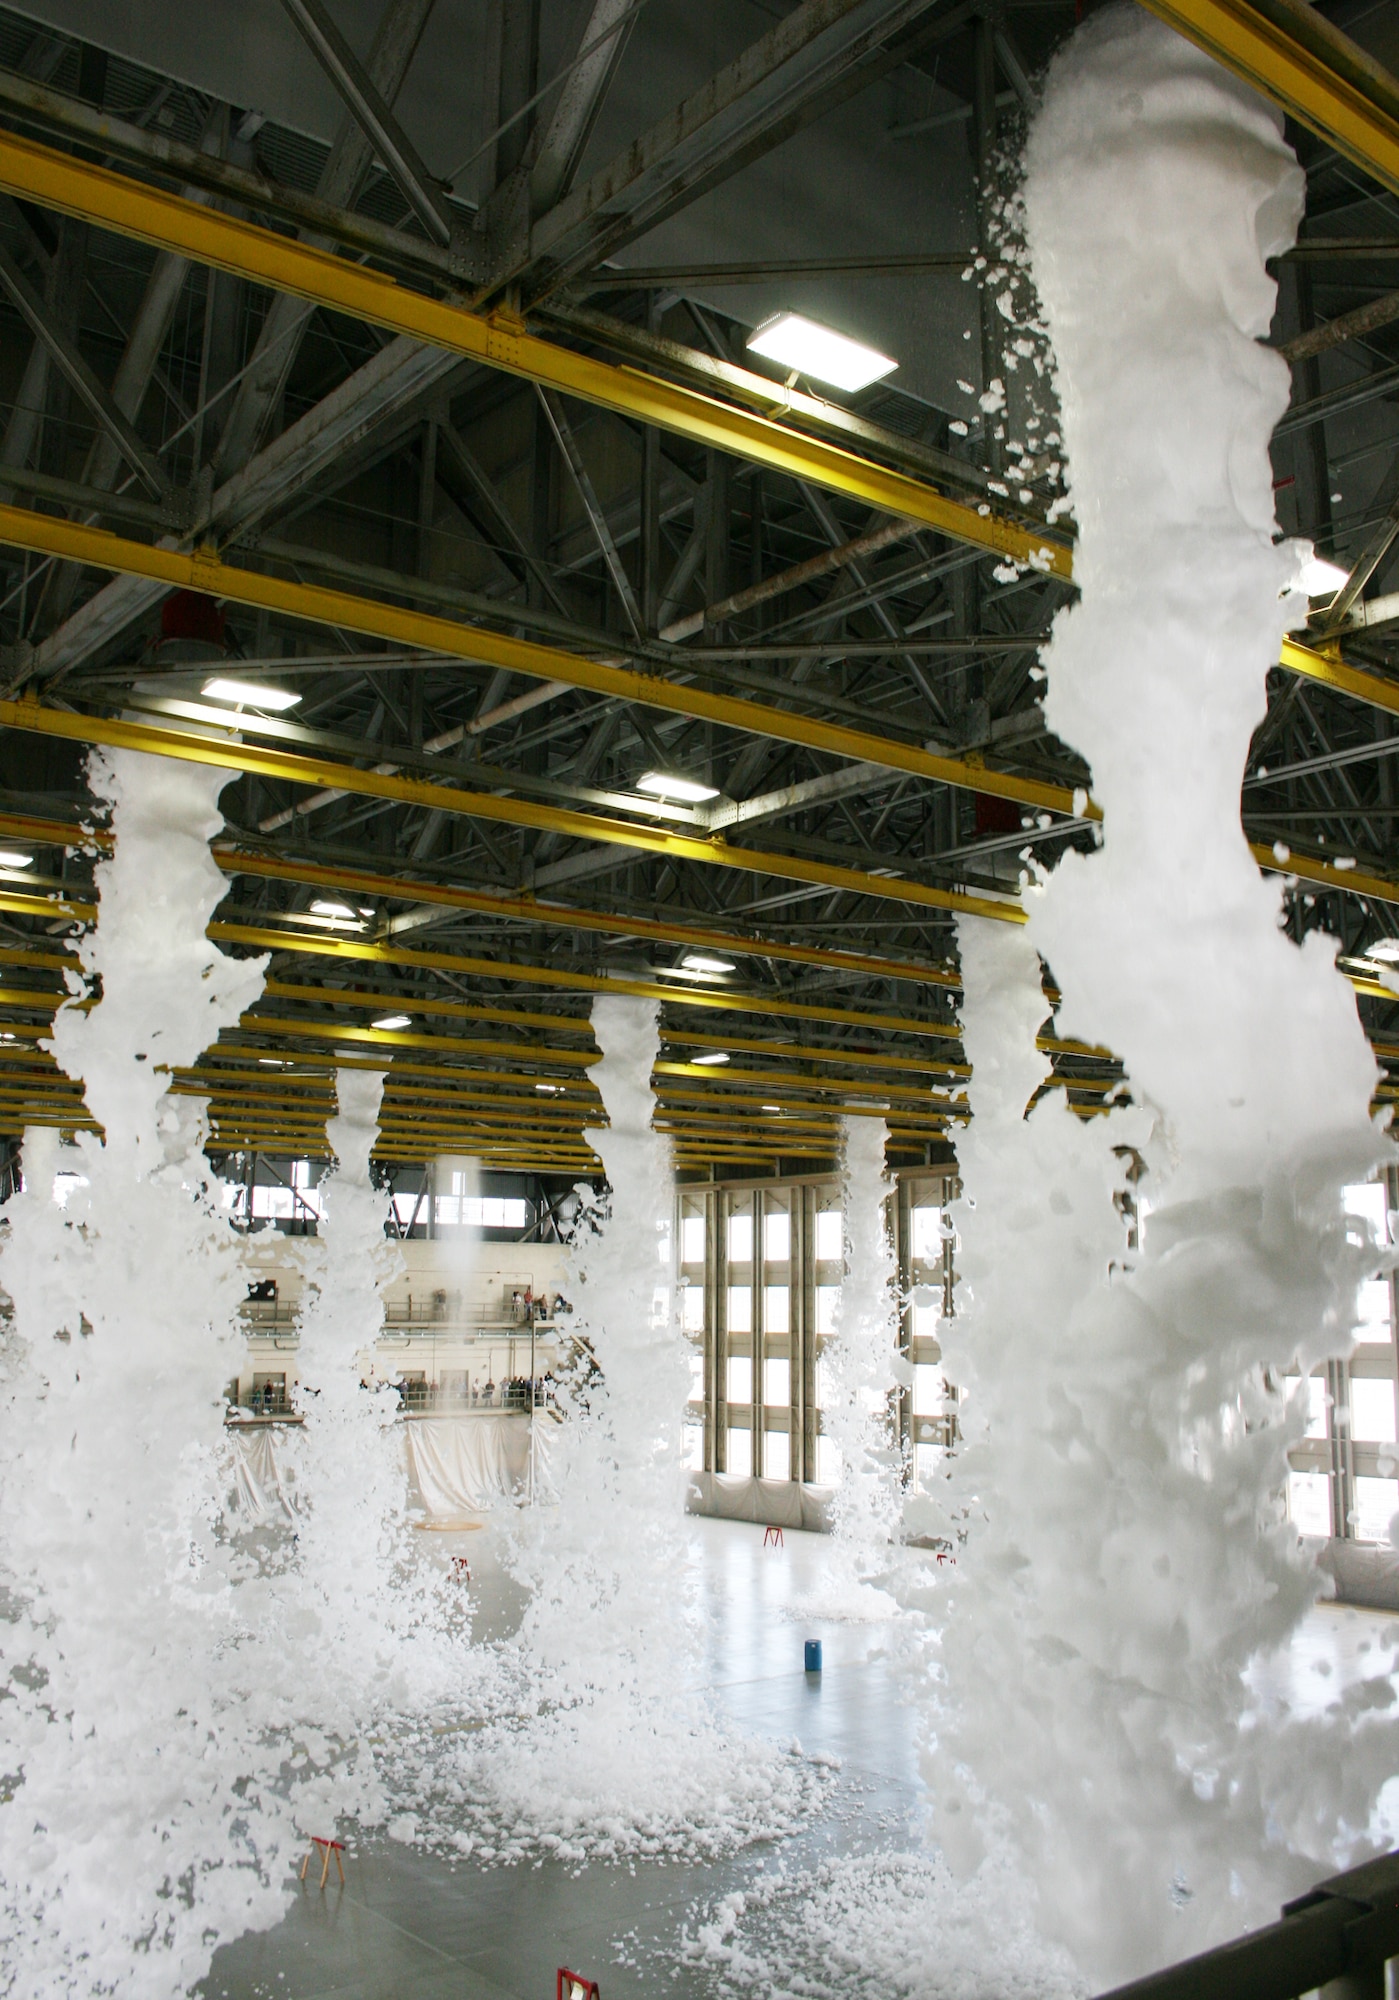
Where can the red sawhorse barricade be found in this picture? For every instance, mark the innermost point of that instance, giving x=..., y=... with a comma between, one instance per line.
x=573, y=1986
x=327, y=1848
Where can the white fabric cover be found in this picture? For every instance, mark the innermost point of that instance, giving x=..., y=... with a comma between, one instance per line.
x=258, y=1491
x=467, y=1463
x=776, y=1503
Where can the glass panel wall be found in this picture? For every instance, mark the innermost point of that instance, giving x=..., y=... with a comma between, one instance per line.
x=927, y=1275
x=762, y=1268
x=692, y=1240
x=1344, y=1474
x=774, y=1393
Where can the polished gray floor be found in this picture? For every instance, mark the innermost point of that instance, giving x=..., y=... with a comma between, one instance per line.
x=409, y=1926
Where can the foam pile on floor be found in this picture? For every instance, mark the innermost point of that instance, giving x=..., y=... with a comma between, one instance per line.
x=1124, y=1553
x=872, y=1926
x=141, y=1823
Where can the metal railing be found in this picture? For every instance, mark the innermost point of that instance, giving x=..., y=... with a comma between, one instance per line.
x=511, y=1397
x=1338, y=1937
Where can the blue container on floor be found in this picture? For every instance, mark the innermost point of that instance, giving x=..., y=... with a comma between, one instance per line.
x=813, y=1656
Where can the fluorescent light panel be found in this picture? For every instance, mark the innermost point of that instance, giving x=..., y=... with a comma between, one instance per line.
x=711, y=1056
x=389, y=1021
x=250, y=694
x=1319, y=578
x=9, y=858
x=701, y=961
x=820, y=352
x=666, y=785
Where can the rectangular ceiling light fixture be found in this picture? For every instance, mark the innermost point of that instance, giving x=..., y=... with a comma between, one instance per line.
x=668, y=785
x=10, y=859
x=251, y=694
x=1319, y=578
x=391, y=1021
x=701, y=961
x=820, y=352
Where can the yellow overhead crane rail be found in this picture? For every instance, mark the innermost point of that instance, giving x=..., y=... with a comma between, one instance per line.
x=1293, y=54
x=374, y=951
x=320, y=773
x=385, y=952
x=73, y=541
x=114, y=201
x=522, y=906
x=1325, y=665
x=1326, y=874
x=527, y=908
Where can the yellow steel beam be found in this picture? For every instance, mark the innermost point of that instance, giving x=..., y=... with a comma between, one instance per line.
x=478, y=1094
x=716, y=1104
x=1293, y=54
x=1331, y=671
x=388, y=1001
x=778, y=1079
x=25, y=827
x=318, y=773
x=16, y=903
x=45, y=961
x=523, y=907
x=170, y=222
x=564, y=916
x=435, y=1135
x=309, y=1060
x=73, y=541
x=800, y=1051
x=340, y=996
x=491, y=1090
x=387, y=1038
x=376, y=951
x=1355, y=882
x=826, y=1059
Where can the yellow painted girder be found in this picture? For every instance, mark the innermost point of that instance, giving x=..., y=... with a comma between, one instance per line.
x=19, y=903
x=320, y=773
x=386, y=952
x=54, y=960
x=387, y=1038
x=561, y=916
x=1327, y=668
x=523, y=907
x=714, y=1104
x=1294, y=55
x=311, y=1060
x=171, y=222
x=798, y=1051
x=386, y=1001
x=759, y=1079
x=466, y=1111
x=1355, y=881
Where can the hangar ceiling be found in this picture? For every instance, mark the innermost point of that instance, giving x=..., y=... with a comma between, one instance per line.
x=412, y=378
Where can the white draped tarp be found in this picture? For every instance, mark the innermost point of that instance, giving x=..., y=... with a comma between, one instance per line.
x=465, y=1464
x=778, y=1503
x=258, y=1488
